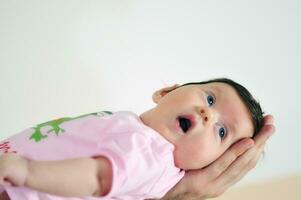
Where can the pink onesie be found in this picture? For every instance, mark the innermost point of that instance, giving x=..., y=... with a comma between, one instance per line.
x=142, y=160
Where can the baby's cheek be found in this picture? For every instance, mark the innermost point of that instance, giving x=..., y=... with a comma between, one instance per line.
x=194, y=154
x=204, y=157
x=197, y=158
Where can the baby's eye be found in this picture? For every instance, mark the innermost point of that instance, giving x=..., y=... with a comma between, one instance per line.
x=222, y=132
x=210, y=100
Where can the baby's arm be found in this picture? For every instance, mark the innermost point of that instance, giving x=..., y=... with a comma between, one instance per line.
x=74, y=177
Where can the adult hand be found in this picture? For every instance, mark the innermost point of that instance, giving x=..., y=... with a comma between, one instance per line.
x=228, y=169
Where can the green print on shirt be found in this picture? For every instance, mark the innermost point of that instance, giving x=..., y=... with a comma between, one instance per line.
x=37, y=135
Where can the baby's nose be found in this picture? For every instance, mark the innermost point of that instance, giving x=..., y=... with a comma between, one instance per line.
x=206, y=115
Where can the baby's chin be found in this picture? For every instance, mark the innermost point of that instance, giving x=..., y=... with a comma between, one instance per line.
x=187, y=167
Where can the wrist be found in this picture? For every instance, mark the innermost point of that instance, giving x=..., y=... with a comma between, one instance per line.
x=16, y=169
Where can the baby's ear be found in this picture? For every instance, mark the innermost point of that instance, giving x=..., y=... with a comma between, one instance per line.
x=159, y=94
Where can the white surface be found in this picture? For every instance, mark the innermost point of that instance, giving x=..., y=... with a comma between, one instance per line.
x=61, y=58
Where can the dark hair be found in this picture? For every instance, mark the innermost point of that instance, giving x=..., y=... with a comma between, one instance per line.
x=247, y=98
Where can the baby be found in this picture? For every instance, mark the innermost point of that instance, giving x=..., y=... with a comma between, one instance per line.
x=124, y=156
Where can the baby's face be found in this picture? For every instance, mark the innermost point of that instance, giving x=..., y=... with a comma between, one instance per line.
x=202, y=121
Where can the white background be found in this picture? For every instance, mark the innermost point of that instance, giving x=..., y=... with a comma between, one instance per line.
x=66, y=58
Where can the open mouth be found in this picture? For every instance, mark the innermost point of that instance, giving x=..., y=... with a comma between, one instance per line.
x=185, y=123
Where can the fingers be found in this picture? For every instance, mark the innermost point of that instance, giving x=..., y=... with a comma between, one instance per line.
x=268, y=119
x=4, y=182
x=233, y=171
x=247, y=161
x=7, y=184
x=223, y=162
x=244, y=169
x=239, y=167
x=265, y=132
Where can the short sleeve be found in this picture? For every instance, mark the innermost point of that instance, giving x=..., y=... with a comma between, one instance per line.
x=138, y=167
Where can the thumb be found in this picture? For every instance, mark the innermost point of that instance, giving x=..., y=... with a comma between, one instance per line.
x=5, y=182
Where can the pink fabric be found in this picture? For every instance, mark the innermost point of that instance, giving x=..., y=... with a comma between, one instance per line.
x=142, y=160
